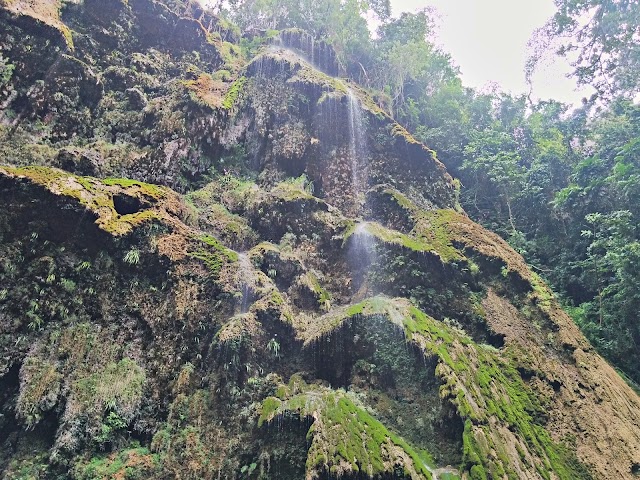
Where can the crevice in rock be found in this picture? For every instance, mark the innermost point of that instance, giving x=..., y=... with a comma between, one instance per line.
x=126, y=204
x=9, y=388
x=284, y=452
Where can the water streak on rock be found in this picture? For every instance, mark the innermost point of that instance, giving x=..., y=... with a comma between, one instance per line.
x=246, y=282
x=358, y=148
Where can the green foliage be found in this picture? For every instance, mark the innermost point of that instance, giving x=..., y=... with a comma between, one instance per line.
x=342, y=23
x=563, y=190
x=110, y=426
x=129, y=464
x=273, y=346
x=6, y=71
x=132, y=257
x=600, y=39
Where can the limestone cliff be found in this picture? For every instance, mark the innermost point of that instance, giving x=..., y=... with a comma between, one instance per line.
x=220, y=260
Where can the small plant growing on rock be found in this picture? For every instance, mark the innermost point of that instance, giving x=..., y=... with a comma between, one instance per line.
x=274, y=347
x=6, y=71
x=132, y=257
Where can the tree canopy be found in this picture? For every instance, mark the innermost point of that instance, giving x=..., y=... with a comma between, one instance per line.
x=601, y=38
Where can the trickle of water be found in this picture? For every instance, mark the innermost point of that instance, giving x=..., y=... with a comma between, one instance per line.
x=245, y=281
x=362, y=254
x=358, y=149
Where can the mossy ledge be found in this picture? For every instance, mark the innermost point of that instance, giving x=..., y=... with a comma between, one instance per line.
x=42, y=11
x=119, y=204
x=346, y=440
x=504, y=431
x=434, y=239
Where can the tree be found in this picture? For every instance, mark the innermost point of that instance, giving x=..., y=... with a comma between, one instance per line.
x=601, y=38
x=341, y=23
x=410, y=67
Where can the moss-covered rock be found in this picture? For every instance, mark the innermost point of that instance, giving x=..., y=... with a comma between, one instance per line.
x=345, y=438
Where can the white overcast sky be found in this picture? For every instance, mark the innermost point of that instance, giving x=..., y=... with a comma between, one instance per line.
x=488, y=39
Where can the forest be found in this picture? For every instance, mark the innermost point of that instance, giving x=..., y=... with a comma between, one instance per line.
x=560, y=184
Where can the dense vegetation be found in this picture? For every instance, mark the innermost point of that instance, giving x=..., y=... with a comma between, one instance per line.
x=561, y=185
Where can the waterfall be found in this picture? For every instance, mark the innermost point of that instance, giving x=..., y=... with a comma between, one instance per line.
x=245, y=280
x=362, y=255
x=358, y=148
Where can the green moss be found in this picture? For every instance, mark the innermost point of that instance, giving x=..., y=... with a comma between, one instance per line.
x=542, y=294
x=322, y=295
x=232, y=55
x=495, y=389
x=343, y=433
x=485, y=387
x=402, y=200
x=398, y=131
x=44, y=11
x=94, y=194
x=294, y=189
x=232, y=94
x=269, y=408
x=213, y=254
x=148, y=189
x=435, y=240
x=119, y=387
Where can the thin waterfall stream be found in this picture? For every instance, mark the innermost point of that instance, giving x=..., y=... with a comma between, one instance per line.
x=362, y=255
x=246, y=282
x=358, y=147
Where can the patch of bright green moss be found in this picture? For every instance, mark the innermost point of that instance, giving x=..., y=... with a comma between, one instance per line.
x=492, y=388
x=232, y=94
x=293, y=189
x=149, y=189
x=269, y=409
x=213, y=254
x=91, y=193
x=482, y=384
x=435, y=240
x=323, y=297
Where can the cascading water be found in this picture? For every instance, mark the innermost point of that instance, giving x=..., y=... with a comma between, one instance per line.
x=358, y=148
x=362, y=254
x=246, y=282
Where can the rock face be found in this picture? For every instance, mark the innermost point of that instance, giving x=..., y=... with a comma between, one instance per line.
x=311, y=303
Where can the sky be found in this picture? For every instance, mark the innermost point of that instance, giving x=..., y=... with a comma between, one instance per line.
x=488, y=39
